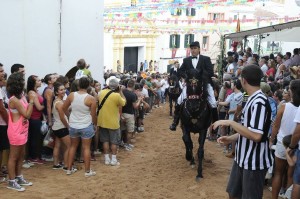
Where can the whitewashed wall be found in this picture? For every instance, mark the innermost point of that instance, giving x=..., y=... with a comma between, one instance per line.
x=108, y=52
x=30, y=35
x=293, y=7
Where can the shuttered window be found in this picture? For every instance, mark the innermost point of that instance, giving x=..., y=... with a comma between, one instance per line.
x=188, y=39
x=190, y=12
x=174, y=41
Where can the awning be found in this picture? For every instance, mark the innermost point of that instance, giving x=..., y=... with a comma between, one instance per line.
x=287, y=35
x=276, y=31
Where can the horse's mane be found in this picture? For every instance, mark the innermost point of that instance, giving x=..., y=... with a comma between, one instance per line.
x=201, y=88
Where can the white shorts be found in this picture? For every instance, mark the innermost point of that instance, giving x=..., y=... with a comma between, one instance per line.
x=280, y=151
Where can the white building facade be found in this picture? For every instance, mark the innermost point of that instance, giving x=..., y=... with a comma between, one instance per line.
x=153, y=41
x=50, y=36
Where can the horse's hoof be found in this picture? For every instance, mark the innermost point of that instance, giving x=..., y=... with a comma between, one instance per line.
x=188, y=156
x=198, y=179
x=173, y=127
x=199, y=176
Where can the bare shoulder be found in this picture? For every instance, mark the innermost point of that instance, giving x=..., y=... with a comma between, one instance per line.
x=70, y=97
x=90, y=99
x=282, y=108
x=13, y=101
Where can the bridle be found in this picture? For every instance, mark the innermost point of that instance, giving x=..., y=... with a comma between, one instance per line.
x=194, y=83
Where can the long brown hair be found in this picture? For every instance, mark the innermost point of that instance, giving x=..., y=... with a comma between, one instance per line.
x=272, y=64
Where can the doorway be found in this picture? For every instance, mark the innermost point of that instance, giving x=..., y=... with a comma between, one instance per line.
x=130, y=59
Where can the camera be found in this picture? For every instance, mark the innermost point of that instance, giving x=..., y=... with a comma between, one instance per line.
x=117, y=89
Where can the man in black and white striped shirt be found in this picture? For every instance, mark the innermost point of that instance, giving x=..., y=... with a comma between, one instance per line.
x=252, y=154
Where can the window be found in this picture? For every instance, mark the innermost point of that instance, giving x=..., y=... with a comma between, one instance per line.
x=133, y=3
x=205, y=43
x=190, y=12
x=188, y=39
x=215, y=16
x=174, y=41
x=176, y=12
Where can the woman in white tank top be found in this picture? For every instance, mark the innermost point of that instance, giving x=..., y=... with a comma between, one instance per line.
x=284, y=125
x=60, y=126
x=82, y=122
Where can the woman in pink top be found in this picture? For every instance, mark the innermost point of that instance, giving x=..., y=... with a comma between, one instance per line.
x=35, y=139
x=272, y=68
x=18, y=115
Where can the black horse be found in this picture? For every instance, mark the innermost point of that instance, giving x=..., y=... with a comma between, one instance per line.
x=174, y=91
x=195, y=116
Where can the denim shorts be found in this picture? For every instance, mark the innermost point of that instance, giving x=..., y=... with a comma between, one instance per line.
x=296, y=176
x=85, y=133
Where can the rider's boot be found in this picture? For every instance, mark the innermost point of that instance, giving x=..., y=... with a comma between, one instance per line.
x=176, y=118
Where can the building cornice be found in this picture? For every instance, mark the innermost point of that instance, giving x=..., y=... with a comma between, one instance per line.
x=118, y=36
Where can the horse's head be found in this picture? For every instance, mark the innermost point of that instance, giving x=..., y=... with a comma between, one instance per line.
x=174, y=87
x=172, y=80
x=195, y=84
x=196, y=92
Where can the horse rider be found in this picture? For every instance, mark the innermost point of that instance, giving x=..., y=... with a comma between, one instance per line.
x=174, y=69
x=204, y=66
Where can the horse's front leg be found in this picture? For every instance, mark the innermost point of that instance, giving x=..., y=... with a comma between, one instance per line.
x=171, y=105
x=186, y=137
x=201, y=141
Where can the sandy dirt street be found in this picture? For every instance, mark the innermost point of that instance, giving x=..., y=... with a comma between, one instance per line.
x=156, y=168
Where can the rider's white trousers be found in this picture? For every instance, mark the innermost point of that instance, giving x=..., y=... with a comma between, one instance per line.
x=211, y=96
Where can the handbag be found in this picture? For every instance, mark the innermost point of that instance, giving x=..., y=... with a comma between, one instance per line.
x=102, y=102
x=44, y=127
x=49, y=140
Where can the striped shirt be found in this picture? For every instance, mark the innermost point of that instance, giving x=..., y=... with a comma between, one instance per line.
x=256, y=117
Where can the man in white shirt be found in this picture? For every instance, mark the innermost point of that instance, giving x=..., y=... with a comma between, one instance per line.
x=174, y=70
x=263, y=65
